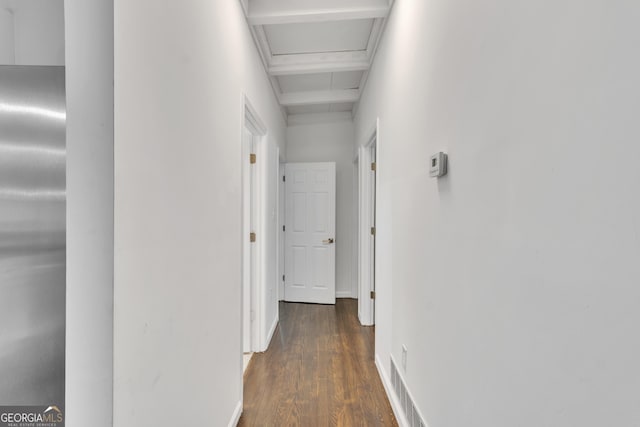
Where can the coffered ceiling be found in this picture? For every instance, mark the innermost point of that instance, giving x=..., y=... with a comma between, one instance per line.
x=317, y=52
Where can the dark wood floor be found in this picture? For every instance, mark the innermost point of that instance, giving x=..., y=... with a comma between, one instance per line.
x=319, y=371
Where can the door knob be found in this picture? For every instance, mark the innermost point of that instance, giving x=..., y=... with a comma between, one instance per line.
x=328, y=241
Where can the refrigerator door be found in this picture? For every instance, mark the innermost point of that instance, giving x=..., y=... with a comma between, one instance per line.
x=32, y=235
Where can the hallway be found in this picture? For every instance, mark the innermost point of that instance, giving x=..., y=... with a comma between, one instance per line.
x=505, y=292
x=318, y=371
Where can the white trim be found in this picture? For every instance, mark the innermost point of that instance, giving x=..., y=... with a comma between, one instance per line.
x=237, y=413
x=374, y=37
x=263, y=44
x=251, y=120
x=373, y=131
x=325, y=62
x=274, y=16
x=275, y=84
x=245, y=6
x=376, y=197
x=314, y=118
x=344, y=294
x=361, y=85
x=281, y=220
x=244, y=266
x=355, y=227
x=272, y=330
x=260, y=306
x=396, y=405
x=366, y=305
x=318, y=97
x=261, y=53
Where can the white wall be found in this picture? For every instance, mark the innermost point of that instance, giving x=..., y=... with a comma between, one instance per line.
x=35, y=28
x=89, y=334
x=332, y=142
x=513, y=281
x=180, y=71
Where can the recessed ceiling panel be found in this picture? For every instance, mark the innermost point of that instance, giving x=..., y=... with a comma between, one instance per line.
x=305, y=82
x=334, y=36
x=308, y=109
x=346, y=80
x=335, y=108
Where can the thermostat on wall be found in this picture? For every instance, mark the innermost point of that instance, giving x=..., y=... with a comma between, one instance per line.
x=438, y=165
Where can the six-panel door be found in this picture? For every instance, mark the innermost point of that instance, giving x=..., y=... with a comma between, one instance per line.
x=310, y=224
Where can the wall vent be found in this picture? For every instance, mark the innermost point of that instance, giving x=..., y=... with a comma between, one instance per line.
x=407, y=403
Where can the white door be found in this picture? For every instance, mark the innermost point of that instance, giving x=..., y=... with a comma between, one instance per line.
x=310, y=225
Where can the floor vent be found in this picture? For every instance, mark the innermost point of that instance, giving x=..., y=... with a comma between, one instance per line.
x=411, y=413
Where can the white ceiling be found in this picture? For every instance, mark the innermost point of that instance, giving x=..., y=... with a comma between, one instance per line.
x=320, y=81
x=317, y=52
x=334, y=36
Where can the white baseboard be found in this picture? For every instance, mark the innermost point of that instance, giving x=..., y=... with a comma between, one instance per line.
x=344, y=294
x=364, y=322
x=393, y=399
x=235, y=418
x=272, y=330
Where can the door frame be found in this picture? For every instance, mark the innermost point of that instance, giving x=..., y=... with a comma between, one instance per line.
x=367, y=189
x=281, y=224
x=251, y=121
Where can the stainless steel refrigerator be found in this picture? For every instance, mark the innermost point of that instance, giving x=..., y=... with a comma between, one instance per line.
x=32, y=235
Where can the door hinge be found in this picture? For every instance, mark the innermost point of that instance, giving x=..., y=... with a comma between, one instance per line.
x=373, y=166
x=252, y=158
x=373, y=231
x=283, y=228
x=373, y=294
x=252, y=237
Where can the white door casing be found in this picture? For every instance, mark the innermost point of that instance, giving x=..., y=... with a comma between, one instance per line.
x=254, y=175
x=372, y=223
x=248, y=276
x=281, y=223
x=367, y=268
x=310, y=224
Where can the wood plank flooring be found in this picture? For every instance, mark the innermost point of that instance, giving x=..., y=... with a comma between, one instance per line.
x=318, y=371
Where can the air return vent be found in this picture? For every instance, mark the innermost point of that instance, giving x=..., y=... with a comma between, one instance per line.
x=411, y=413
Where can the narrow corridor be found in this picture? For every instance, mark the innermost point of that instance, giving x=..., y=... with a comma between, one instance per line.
x=318, y=371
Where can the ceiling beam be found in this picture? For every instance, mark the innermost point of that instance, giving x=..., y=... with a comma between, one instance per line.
x=319, y=15
x=314, y=118
x=307, y=63
x=374, y=37
x=292, y=99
